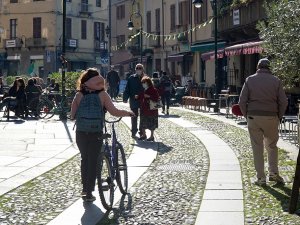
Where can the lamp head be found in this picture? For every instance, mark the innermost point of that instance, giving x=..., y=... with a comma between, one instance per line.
x=197, y=3
x=130, y=25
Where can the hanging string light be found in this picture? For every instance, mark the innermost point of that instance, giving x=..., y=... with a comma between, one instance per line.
x=166, y=37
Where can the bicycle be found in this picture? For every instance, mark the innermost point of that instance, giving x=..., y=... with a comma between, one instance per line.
x=111, y=167
x=50, y=104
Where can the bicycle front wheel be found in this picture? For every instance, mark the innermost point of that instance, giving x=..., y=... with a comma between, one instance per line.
x=122, y=172
x=105, y=182
x=45, y=109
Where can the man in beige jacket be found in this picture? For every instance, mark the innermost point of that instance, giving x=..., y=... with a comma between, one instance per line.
x=263, y=102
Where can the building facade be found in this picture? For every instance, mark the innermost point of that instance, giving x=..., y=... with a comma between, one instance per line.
x=31, y=37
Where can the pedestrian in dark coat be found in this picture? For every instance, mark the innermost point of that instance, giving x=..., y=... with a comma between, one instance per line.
x=113, y=81
x=134, y=87
x=166, y=88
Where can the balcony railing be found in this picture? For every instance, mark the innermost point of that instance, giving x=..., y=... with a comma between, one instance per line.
x=84, y=8
x=248, y=14
x=36, y=42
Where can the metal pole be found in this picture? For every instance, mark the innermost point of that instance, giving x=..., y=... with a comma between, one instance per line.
x=217, y=78
x=63, y=114
x=191, y=21
x=109, y=35
x=141, y=38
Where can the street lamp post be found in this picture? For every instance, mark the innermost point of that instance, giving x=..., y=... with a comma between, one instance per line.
x=217, y=78
x=108, y=34
x=63, y=114
x=130, y=27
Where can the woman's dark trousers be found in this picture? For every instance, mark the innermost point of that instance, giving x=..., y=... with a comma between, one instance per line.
x=89, y=145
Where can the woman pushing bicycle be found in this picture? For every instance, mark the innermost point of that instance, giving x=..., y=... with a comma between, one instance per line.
x=88, y=111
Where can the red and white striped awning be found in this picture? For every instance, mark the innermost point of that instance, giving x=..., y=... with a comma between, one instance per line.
x=238, y=49
x=244, y=48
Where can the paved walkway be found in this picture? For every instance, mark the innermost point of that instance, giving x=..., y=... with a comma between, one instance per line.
x=223, y=196
x=31, y=148
x=139, y=161
x=222, y=202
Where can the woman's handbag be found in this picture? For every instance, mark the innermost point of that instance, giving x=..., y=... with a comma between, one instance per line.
x=155, y=105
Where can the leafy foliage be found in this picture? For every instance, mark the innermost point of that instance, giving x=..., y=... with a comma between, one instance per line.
x=71, y=79
x=281, y=34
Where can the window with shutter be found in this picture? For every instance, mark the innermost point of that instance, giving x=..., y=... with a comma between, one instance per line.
x=97, y=31
x=157, y=20
x=149, y=21
x=83, y=29
x=37, y=27
x=13, y=28
x=173, y=17
x=184, y=13
x=102, y=31
x=68, y=28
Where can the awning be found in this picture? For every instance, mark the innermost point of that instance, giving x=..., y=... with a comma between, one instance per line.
x=238, y=49
x=244, y=48
x=14, y=57
x=135, y=59
x=211, y=55
x=36, y=57
x=207, y=46
x=179, y=57
x=80, y=57
x=176, y=58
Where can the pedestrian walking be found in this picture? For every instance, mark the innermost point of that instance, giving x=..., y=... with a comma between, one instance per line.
x=166, y=89
x=263, y=103
x=88, y=110
x=113, y=81
x=148, y=116
x=134, y=87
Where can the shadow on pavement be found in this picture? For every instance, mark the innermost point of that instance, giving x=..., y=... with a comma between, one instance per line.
x=283, y=198
x=162, y=148
x=90, y=211
x=68, y=131
x=124, y=211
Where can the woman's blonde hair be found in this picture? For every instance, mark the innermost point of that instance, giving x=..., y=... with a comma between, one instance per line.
x=147, y=80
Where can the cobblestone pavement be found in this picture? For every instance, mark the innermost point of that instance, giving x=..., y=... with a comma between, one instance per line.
x=171, y=191
x=42, y=199
x=267, y=205
x=166, y=196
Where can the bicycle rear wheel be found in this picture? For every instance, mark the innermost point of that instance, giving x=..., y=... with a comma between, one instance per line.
x=105, y=182
x=45, y=109
x=32, y=107
x=122, y=172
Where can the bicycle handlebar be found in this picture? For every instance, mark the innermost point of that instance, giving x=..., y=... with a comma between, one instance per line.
x=114, y=121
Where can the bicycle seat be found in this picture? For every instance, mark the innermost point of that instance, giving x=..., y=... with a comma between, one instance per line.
x=106, y=135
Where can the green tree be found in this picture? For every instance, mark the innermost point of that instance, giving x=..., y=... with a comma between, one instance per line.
x=281, y=35
x=71, y=80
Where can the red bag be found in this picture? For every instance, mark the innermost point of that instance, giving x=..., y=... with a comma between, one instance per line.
x=236, y=110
